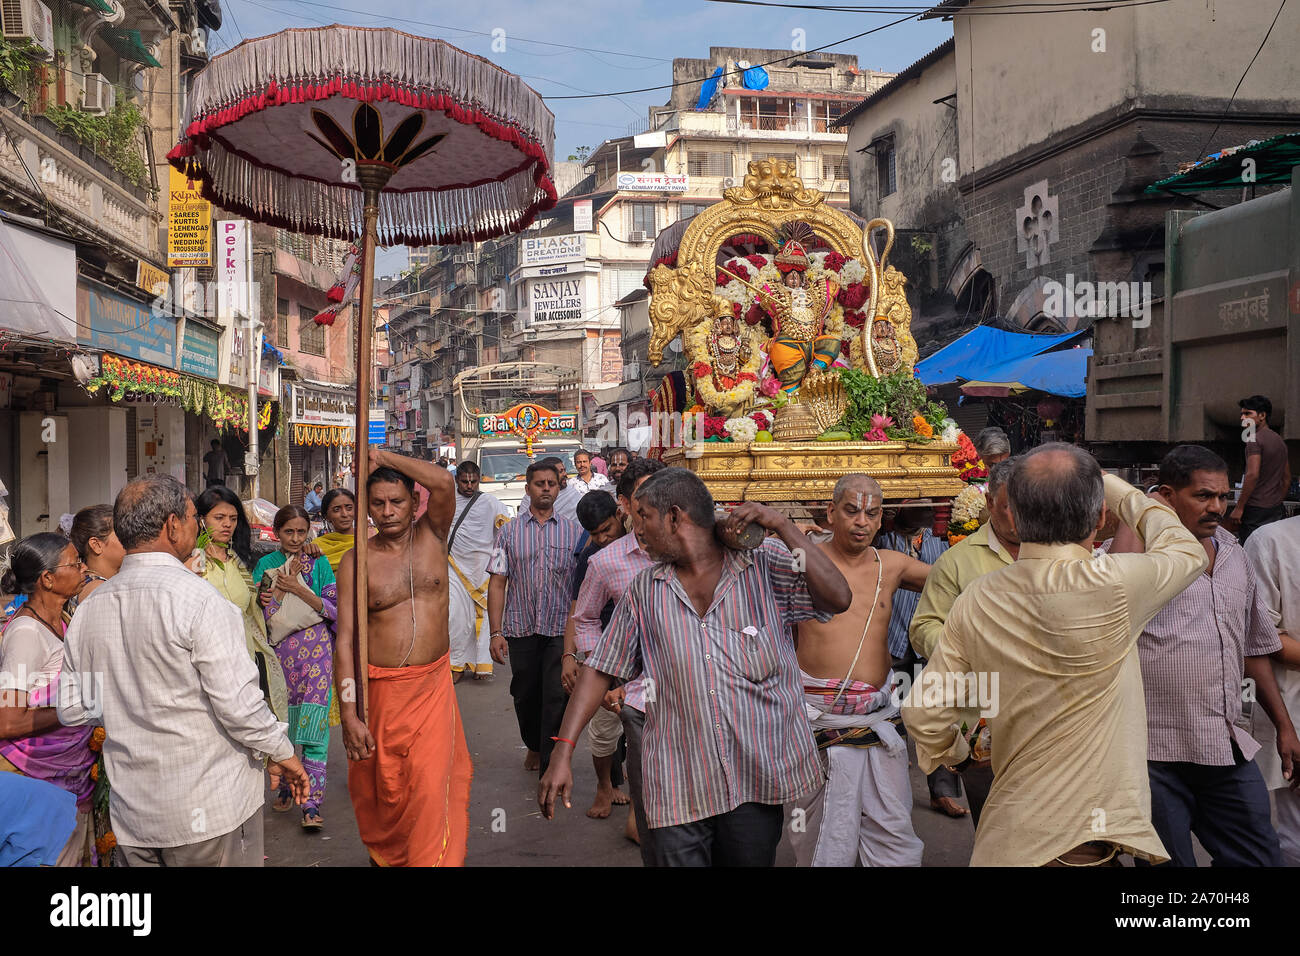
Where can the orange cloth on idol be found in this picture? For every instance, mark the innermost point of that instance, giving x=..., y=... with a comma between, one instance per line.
x=411, y=797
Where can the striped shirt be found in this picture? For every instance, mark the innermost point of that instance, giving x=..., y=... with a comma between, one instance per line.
x=725, y=722
x=537, y=558
x=905, y=602
x=609, y=575
x=1193, y=659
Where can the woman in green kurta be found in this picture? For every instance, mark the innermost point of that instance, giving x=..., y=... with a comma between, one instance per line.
x=225, y=563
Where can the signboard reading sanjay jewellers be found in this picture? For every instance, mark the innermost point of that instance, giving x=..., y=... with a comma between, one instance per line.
x=556, y=300
x=545, y=250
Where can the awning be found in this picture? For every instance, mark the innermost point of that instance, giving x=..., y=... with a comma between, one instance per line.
x=1063, y=373
x=38, y=284
x=129, y=45
x=1273, y=161
x=983, y=349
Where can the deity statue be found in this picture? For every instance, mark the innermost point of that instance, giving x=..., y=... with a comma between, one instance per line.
x=728, y=344
x=885, y=347
x=798, y=314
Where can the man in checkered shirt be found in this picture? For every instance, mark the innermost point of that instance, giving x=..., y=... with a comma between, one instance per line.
x=1194, y=654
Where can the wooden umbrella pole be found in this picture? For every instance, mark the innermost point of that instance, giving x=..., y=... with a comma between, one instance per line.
x=373, y=180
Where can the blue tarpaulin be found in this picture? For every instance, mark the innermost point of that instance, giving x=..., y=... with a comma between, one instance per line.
x=708, y=90
x=755, y=78
x=992, y=357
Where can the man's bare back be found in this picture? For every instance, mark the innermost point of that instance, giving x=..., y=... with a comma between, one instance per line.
x=826, y=650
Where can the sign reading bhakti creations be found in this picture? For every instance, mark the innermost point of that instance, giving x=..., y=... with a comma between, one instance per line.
x=545, y=250
x=189, y=224
x=556, y=300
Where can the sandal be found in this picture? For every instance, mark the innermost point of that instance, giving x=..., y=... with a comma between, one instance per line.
x=312, y=821
x=283, y=803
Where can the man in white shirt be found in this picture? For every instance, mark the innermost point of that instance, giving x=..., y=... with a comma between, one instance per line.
x=1274, y=552
x=188, y=730
x=479, y=515
x=587, y=478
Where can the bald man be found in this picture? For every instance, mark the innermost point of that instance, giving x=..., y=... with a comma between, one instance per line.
x=864, y=810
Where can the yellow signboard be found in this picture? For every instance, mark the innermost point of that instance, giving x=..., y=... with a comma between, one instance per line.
x=150, y=278
x=189, y=223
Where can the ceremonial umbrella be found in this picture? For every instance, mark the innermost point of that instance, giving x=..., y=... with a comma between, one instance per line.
x=338, y=131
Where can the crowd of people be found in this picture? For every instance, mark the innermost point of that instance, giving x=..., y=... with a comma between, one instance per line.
x=1103, y=670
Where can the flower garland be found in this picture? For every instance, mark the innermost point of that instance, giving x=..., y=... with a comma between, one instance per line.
x=966, y=510
x=122, y=375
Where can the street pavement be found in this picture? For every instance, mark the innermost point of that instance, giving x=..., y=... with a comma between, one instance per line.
x=506, y=828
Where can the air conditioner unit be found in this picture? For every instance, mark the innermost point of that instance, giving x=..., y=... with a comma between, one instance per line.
x=198, y=42
x=636, y=235
x=29, y=20
x=728, y=182
x=99, y=95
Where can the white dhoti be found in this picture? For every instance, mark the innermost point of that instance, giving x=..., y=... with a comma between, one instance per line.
x=467, y=559
x=864, y=810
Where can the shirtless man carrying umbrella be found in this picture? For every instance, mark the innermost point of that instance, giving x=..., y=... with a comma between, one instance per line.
x=408, y=765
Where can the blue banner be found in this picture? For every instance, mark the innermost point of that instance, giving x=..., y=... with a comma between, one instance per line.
x=200, y=351
x=113, y=323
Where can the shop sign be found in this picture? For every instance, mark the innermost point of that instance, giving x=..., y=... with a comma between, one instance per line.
x=200, y=351
x=556, y=300
x=113, y=323
x=189, y=223
x=312, y=406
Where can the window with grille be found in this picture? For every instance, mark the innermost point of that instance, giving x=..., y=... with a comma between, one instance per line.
x=710, y=162
x=311, y=337
x=835, y=167
x=283, y=316
x=687, y=209
x=643, y=218
x=886, y=176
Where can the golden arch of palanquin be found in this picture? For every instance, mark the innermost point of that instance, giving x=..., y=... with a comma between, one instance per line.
x=727, y=356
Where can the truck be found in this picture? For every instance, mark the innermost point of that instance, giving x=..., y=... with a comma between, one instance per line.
x=1227, y=327
x=512, y=414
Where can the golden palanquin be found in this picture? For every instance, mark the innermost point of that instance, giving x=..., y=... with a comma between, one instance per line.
x=695, y=298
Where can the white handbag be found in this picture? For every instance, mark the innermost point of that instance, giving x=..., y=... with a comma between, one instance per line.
x=293, y=615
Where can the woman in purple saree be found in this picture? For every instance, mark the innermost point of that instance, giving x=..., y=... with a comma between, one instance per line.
x=46, y=568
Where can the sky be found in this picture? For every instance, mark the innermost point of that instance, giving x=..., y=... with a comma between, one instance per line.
x=567, y=47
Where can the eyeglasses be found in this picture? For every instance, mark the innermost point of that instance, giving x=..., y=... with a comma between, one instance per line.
x=75, y=564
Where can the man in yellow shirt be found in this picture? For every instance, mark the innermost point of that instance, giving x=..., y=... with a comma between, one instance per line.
x=993, y=546
x=1051, y=643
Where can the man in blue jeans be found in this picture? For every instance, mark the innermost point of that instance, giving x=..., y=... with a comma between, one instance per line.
x=1194, y=654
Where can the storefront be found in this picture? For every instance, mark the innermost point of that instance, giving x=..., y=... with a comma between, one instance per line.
x=322, y=422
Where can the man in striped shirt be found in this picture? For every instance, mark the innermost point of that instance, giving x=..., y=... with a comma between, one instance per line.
x=609, y=574
x=1194, y=654
x=726, y=741
x=528, y=603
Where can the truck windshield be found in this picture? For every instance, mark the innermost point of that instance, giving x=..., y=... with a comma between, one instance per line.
x=507, y=466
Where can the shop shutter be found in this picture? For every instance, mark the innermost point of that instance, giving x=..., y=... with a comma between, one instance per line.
x=971, y=417
x=296, y=461
x=132, y=435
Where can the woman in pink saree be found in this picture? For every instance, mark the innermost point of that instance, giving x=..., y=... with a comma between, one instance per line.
x=46, y=568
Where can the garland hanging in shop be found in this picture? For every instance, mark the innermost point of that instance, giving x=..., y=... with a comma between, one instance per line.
x=122, y=375
x=321, y=435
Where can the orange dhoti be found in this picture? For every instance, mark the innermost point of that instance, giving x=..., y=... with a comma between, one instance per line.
x=411, y=797
x=792, y=358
